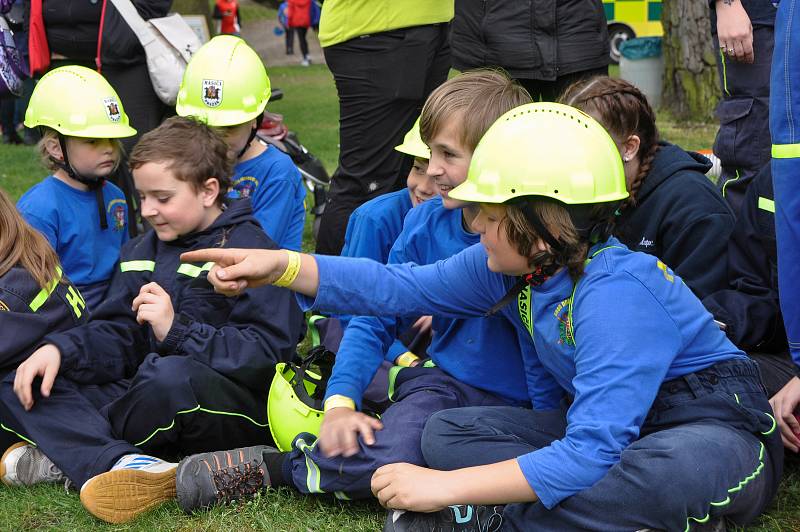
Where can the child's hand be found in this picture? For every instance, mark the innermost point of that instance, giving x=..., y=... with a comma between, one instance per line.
x=44, y=363
x=340, y=428
x=784, y=404
x=154, y=306
x=410, y=487
x=238, y=269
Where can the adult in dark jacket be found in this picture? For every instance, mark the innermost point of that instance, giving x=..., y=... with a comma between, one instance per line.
x=544, y=44
x=749, y=307
x=674, y=212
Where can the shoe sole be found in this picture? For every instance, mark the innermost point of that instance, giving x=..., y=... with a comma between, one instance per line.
x=119, y=496
x=3, y=460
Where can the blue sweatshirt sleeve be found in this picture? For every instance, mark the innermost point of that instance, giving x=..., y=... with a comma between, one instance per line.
x=275, y=205
x=367, y=340
x=784, y=103
x=48, y=228
x=620, y=363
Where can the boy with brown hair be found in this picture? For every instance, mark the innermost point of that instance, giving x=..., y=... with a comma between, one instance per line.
x=165, y=366
x=473, y=362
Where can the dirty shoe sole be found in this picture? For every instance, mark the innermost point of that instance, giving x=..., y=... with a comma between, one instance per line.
x=119, y=496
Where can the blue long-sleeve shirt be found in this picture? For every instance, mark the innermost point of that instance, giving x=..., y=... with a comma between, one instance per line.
x=371, y=231
x=784, y=111
x=481, y=352
x=634, y=324
x=275, y=188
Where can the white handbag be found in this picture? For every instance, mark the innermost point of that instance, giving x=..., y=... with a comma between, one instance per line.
x=168, y=43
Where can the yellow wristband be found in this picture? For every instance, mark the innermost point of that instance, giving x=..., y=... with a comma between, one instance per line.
x=292, y=270
x=406, y=359
x=337, y=401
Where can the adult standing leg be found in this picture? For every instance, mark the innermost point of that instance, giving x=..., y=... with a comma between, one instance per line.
x=382, y=81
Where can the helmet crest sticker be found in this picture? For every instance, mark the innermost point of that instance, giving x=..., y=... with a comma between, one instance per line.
x=112, y=109
x=212, y=92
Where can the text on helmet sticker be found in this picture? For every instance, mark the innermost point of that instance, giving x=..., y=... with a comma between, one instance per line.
x=212, y=92
x=111, y=106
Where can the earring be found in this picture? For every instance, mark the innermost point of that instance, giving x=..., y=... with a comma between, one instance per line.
x=626, y=159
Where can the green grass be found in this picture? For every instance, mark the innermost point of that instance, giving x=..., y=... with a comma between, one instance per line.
x=311, y=109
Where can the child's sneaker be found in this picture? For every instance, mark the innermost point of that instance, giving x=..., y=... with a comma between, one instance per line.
x=306, y=61
x=462, y=518
x=135, y=484
x=206, y=479
x=24, y=464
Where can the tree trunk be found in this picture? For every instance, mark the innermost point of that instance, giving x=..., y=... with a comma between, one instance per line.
x=691, y=86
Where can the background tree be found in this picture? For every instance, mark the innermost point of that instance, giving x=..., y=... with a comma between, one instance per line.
x=691, y=87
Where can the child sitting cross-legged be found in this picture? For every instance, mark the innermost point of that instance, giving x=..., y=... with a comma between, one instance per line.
x=166, y=366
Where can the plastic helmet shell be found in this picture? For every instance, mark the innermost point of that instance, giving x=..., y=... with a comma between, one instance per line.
x=413, y=145
x=289, y=416
x=78, y=102
x=225, y=83
x=545, y=149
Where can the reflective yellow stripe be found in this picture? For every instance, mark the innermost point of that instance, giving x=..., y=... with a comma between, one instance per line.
x=199, y=408
x=731, y=180
x=194, y=271
x=312, y=471
x=766, y=204
x=137, y=266
x=44, y=293
x=17, y=434
x=785, y=151
x=724, y=73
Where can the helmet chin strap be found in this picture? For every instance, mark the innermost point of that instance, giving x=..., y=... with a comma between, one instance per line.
x=95, y=183
x=253, y=133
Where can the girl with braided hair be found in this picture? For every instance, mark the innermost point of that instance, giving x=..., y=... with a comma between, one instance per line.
x=673, y=212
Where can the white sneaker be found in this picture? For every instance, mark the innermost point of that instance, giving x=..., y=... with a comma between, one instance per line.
x=306, y=61
x=134, y=485
x=24, y=464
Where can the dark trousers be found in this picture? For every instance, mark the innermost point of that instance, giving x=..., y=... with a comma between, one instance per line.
x=418, y=393
x=709, y=447
x=301, y=37
x=777, y=369
x=172, y=406
x=550, y=91
x=743, y=141
x=382, y=81
x=289, y=40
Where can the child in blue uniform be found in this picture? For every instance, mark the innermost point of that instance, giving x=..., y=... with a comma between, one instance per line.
x=226, y=86
x=371, y=231
x=35, y=299
x=82, y=215
x=668, y=425
x=165, y=365
x=673, y=211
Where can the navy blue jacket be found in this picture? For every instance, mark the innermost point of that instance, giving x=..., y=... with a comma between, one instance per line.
x=681, y=218
x=241, y=338
x=28, y=312
x=749, y=305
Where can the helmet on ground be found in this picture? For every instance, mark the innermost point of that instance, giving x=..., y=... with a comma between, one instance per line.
x=225, y=83
x=547, y=150
x=295, y=402
x=413, y=145
x=78, y=102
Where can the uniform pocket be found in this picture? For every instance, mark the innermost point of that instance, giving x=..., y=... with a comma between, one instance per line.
x=736, y=142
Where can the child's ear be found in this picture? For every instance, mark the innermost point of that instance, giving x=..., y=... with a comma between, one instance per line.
x=630, y=149
x=210, y=191
x=53, y=147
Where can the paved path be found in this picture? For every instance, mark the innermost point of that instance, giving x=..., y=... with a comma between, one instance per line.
x=272, y=49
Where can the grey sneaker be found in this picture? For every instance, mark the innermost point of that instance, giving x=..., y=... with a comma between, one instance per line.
x=206, y=479
x=24, y=464
x=458, y=518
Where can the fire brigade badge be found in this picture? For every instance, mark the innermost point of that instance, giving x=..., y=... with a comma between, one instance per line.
x=111, y=106
x=212, y=92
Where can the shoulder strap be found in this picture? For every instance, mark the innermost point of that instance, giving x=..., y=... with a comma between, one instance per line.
x=139, y=26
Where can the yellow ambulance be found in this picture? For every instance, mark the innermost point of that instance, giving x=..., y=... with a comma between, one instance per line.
x=631, y=18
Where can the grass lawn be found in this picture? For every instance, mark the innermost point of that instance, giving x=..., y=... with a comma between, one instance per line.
x=311, y=109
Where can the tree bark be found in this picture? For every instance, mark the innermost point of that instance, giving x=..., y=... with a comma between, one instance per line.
x=691, y=86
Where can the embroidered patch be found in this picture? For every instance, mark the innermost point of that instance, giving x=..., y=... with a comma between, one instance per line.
x=111, y=106
x=245, y=186
x=564, y=323
x=116, y=209
x=3, y=306
x=212, y=92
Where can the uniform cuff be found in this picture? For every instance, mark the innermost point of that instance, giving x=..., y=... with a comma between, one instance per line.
x=176, y=334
